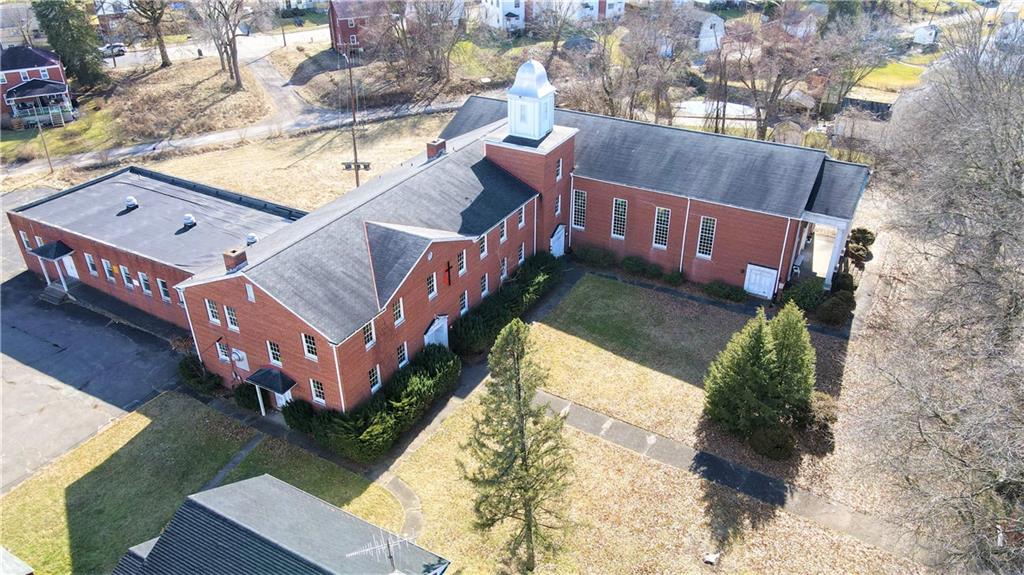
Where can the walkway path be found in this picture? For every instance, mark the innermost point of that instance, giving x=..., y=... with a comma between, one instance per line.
x=235, y=460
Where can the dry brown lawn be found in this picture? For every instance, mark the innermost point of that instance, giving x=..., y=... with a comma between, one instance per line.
x=191, y=97
x=304, y=172
x=640, y=356
x=631, y=514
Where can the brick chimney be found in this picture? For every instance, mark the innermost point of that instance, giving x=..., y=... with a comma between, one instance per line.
x=234, y=259
x=436, y=147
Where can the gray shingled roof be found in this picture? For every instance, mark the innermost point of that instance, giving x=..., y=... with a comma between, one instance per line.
x=22, y=57
x=155, y=230
x=395, y=249
x=751, y=174
x=842, y=184
x=36, y=87
x=460, y=193
x=264, y=525
x=271, y=378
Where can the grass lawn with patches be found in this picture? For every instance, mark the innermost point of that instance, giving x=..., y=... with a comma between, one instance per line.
x=893, y=77
x=630, y=515
x=81, y=513
x=95, y=129
x=319, y=477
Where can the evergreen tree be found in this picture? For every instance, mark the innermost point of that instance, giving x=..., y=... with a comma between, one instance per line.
x=794, y=364
x=67, y=28
x=523, y=463
x=742, y=379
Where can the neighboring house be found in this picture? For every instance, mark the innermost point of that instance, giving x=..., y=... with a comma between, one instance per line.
x=328, y=307
x=507, y=15
x=264, y=525
x=110, y=12
x=801, y=23
x=708, y=29
x=34, y=88
x=348, y=21
x=927, y=35
x=581, y=10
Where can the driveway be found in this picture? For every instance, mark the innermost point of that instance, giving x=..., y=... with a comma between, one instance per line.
x=66, y=372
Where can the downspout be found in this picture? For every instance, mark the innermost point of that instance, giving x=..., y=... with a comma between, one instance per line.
x=686, y=224
x=782, y=256
x=572, y=205
x=188, y=316
x=337, y=373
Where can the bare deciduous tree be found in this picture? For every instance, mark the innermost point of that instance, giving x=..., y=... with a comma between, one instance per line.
x=553, y=20
x=417, y=38
x=953, y=426
x=854, y=46
x=150, y=15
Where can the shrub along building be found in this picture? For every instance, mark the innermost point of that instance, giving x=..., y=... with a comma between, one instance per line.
x=325, y=307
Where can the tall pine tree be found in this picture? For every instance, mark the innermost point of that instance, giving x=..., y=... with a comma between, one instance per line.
x=794, y=364
x=523, y=463
x=742, y=379
x=67, y=28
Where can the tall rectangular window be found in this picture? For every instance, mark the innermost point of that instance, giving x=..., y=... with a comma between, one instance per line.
x=222, y=351
x=24, y=240
x=462, y=262
x=229, y=313
x=369, y=338
x=374, y=376
x=661, y=219
x=706, y=239
x=317, y=389
x=165, y=293
x=181, y=296
x=522, y=216
x=39, y=241
x=482, y=244
x=250, y=294
x=579, y=209
x=91, y=264
x=504, y=268
x=522, y=252
x=126, y=277
x=502, y=232
x=211, y=312
x=618, y=218
x=274, y=352
x=309, y=346
x=144, y=282
x=464, y=303
x=432, y=286
x=398, y=312
x=558, y=170
x=558, y=205
x=108, y=269
x=484, y=284
x=403, y=354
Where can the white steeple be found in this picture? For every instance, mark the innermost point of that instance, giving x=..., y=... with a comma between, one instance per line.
x=531, y=103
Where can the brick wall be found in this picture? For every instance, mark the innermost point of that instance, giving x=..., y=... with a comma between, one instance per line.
x=151, y=303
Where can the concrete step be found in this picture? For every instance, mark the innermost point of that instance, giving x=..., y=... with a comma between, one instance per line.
x=54, y=295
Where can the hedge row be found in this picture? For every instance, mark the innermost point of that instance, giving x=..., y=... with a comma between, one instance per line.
x=602, y=258
x=367, y=433
x=474, y=333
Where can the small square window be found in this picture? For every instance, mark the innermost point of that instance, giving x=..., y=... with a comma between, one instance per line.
x=229, y=313
x=91, y=264
x=464, y=303
x=398, y=312
x=309, y=346
x=165, y=293
x=250, y=294
x=147, y=288
x=432, y=286
x=403, y=355
x=274, y=351
x=502, y=232
x=521, y=216
x=482, y=243
x=353, y=39
x=462, y=262
x=522, y=252
x=222, y=351
x=44, y=74
x=483, y=285
x=24, y=76
x=351, y=23
x=212, y=313
x=374, y=376
x=369, y=338
x=317, y=389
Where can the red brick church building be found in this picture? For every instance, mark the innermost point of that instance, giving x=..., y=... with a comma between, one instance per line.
x=326, y=306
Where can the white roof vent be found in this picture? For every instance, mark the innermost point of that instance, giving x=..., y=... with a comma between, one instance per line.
x=190, y=220
x=251, y=238
x=131, y=203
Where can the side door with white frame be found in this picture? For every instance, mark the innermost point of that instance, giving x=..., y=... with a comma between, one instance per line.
x=760, y=281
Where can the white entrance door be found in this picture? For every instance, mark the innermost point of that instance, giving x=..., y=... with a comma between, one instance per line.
x=69, y=266
x=282, y=399
x=437, y=332
x=760, y=281
x=558, y=241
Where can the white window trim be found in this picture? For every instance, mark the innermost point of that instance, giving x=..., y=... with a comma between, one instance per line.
x=90, y=264
x=181, y=296
x=521, y=215
x=558, y=170
x=463, y=265
x=44, y=74
x=24, y=75
x=108, y=270
x=142, y=284
x=232, y=325
x=270, y=354
x=373, y=334
x=700, y=232
x=224, y=356
x=558, y=205
x=575, y=210
x=432, y=293
x=486, y=288
x=165, y=290
x=353, y=40
x=312, y=392
x=375, y=388
x=24, y=240
x=39, y=242
x=522, y=252
x=668, y=229
x=126, y=277
x=250, y=292
x=305, y=348
x=463, y=309
x=405, y=354
x=502, y=232
x=504, y=268
x=625, y=218
x=351, y=22
x=211, y=312
x=401, y=312
x=483, y=252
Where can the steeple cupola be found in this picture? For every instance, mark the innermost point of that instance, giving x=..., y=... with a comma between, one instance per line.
x=531, y=103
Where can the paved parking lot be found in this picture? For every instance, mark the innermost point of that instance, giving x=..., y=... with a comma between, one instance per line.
x=67, y=372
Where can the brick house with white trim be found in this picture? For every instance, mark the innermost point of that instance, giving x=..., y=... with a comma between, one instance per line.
x=34, y=88
x=325, y=307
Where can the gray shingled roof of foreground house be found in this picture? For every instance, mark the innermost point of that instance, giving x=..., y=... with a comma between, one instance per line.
x=763, y=176
x=155, y=229
x=264, y=525
x=320, y=266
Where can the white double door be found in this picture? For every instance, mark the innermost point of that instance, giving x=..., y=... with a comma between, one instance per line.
x=760, y=281
x=282, y=399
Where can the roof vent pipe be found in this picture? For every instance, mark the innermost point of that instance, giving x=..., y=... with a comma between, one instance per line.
x=189, y=221
x=251, y=238
x=131, y=203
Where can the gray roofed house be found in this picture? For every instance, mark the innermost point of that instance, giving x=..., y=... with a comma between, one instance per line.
x=762, y=176
x=155, y=228
x=264, y=525
x=22, y=57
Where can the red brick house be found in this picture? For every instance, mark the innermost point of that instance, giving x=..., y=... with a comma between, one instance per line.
x=348, y=20
x=34, y=88
x=327, y=306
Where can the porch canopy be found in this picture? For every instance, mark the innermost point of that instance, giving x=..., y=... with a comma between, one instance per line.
x=52, y=251
x=271, y=379
x=35, y=88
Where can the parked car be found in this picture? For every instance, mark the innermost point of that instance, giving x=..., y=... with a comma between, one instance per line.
x=112, y=50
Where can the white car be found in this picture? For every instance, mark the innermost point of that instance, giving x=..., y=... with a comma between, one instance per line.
x=112, y=50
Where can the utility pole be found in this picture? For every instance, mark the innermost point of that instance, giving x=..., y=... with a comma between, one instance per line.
x=355, y=164
x=283, y=37
x=39, y=126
